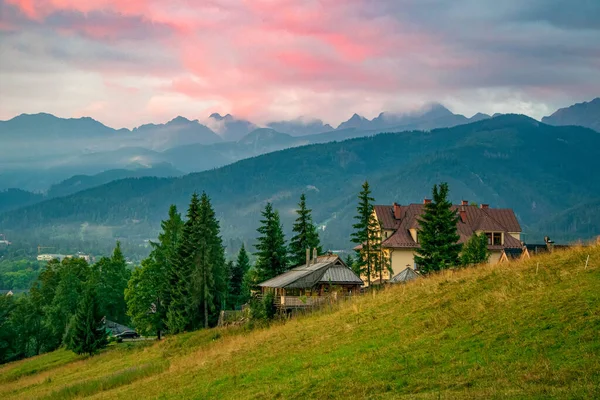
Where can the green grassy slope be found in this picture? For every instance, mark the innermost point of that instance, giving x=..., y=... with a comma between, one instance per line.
x=520, y=330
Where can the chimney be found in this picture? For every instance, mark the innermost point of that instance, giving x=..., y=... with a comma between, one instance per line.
x=315, y=255
x=464, y=203
x=397, y=211
x=463, y=214
x=426, y=201
x=549, y=243
x=307, y=256
x=484, y=206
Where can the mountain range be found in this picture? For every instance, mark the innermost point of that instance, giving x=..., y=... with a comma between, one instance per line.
x=583, y=114
x=546, y=174
x=41, y=150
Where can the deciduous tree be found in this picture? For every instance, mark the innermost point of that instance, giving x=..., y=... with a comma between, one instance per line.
x=475, y=251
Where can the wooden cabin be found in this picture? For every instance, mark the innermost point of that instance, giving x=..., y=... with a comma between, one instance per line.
x=307, y=284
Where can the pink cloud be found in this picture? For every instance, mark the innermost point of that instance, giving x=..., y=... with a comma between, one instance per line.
x=248, y=55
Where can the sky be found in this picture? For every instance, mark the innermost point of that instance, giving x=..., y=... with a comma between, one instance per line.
x=131, y=62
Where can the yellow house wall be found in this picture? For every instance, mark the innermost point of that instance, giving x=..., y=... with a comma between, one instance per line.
x=401, y=257
x=495, y=256
x=516, y=235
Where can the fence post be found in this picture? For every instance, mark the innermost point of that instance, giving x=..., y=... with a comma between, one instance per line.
x=587, y=261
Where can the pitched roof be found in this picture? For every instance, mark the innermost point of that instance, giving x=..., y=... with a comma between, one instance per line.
x=327, y=269
x=407, y=274
x=476, y=219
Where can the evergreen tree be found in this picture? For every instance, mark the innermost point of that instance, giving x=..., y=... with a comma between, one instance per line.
x=366, y=234
x=239, y=293
x=149, y=288
x=113, y=276
x=271, y=249
x=8, y=335
x=306, y=234
x=143, y=295
x=178, y=318
x=166, y=253
x=350, y=262
x=87, y=333
x=200, y=270
x=475, y=251
x=438, y=234
x=73, y=273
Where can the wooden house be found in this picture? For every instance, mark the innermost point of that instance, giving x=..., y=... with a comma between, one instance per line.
x=320, y=276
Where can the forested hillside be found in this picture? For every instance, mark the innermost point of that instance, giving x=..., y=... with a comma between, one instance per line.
x=508, y=161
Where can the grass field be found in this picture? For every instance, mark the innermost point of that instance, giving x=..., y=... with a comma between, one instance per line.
x=522, y=330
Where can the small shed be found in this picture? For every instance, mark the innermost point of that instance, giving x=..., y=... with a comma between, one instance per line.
x=407, y=274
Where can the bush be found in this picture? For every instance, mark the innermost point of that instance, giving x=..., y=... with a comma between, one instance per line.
x=262, y=309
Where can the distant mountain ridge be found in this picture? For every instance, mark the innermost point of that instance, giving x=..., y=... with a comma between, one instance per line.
x=430, y=116
x=40, y=150
x=507, y=161
x=300, y=126
x=230, y=128
x=585, y=114
x=11, y=199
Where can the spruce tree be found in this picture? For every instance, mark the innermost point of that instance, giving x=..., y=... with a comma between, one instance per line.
x=475, y=251
x=239, y=293
x=271, y=249
x=349, y=262
x=438, y=234
x=209, y=269
x=148, y=291
x=87, y=332
x=165, y=254
x=200, y=270
x=178, y=318
x=306, y=234
x=113, y=277
x=366, y=234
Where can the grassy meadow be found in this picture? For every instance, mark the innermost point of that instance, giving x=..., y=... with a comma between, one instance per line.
x=527, y=329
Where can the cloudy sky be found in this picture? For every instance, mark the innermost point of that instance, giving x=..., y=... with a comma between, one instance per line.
x=137, y=61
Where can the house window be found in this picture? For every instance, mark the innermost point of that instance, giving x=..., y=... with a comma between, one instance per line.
x=494, y=238
x=497, y=239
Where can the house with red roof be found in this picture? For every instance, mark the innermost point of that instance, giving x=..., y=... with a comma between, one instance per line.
x=400, y=231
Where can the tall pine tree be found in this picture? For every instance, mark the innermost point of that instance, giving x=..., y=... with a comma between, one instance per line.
x=366, y=234
x=165, y=254
x=306, y=236
x=200, y=270
x=271, y=249
x=178, y=318
x=149, y=289
x=113, y=277
x=239, y=293
x=438, y=236
x=87, y=332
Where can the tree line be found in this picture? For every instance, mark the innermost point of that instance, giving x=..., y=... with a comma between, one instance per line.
x=186, y=281
x=65, y=306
